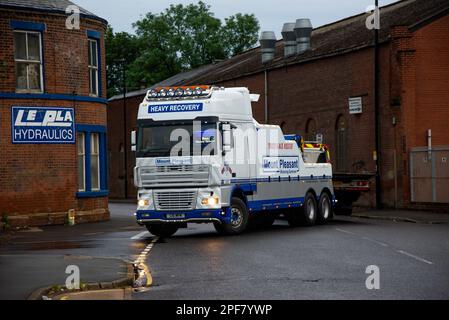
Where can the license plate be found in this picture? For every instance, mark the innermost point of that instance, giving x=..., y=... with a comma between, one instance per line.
x=175, y=216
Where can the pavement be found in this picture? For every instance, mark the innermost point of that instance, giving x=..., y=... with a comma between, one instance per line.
x=404, y=216
x=322, y=262
x=33, y=259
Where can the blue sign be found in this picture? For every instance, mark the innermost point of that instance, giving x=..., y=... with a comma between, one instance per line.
x=184, y=107
x=43, y=125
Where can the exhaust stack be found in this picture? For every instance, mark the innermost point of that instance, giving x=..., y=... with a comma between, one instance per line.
x=303, y=32
x=289, y=36
x=267, y=45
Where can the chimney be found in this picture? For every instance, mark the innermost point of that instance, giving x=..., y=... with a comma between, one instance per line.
x=267, y=45
x=303, y=31
x=288, y=33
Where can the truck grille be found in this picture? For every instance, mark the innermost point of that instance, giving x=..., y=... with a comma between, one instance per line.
x=175, y=200
x=166, y=176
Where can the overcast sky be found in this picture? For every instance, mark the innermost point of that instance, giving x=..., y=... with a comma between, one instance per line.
x=272, y=14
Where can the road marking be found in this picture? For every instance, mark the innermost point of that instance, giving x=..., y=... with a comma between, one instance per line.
x=140, y=235
x=414, y=257
x=347, y=232
x=375, y=241
x=141, y=258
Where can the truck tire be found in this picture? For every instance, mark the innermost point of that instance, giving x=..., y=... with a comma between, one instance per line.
x=324, y=208
x=162, y=230
x=239, y=219
x=307, y=215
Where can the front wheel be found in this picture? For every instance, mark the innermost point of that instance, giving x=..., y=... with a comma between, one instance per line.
x=161, y=230
x=239, y=219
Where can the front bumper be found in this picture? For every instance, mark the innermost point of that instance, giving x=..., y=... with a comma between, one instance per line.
x=194, y=216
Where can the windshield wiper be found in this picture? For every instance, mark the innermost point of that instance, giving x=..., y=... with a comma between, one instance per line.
x=160, y=151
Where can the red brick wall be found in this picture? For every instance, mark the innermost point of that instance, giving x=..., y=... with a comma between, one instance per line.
x=421, y=59
x=65, y=53
x=43, y=178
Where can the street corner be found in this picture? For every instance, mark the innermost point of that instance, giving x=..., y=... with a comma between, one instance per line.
x=104, y=274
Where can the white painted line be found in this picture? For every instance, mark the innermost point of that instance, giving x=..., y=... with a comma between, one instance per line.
x=140, y=235
x=375, y=241
x=347, y=232
x=414, y=257
x=143, y=255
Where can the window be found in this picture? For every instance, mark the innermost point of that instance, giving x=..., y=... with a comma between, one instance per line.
x=95, y=161
x=91, y=161
x=28, y=61
x=93, y=67
x=81, y=160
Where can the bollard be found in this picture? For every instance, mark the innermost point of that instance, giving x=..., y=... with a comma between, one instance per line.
x=71, y=217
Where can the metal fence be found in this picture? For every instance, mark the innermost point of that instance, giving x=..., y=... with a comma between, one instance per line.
x=429, y=175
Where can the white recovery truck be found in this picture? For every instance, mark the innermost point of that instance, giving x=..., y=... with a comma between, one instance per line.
x=201, y=157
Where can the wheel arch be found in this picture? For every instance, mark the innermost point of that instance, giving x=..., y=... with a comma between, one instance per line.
x=239, y=193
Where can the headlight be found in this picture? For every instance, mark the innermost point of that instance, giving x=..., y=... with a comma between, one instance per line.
x=179, y=92
x=210, y=201
x=189, y=92
x=162, y=93
x=171, y=93
x=143, y=203
x=198, y=91
x=153, y=93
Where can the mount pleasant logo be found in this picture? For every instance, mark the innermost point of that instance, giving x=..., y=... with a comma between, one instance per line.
x=43, y=125
x=184, y=107
x=281, y=164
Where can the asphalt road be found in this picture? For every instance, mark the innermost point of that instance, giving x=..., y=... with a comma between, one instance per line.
x=322, y=262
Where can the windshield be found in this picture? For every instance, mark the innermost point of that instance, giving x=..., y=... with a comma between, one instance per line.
x=184, y=139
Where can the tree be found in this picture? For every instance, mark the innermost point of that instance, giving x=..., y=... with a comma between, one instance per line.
x=176, y=40
x=240, y=33
x=122, y=50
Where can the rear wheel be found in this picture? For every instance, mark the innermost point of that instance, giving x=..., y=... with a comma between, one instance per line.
x=307, y=215
x=324, y=209
x=162, y=230
x=239, y=219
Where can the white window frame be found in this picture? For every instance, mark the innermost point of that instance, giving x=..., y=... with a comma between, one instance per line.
x=92, y=136
x=16, y=61
x=93, y=67
x=81, y=138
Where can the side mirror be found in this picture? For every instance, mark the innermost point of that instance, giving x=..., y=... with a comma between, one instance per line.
x=133, y=141
x=226, y=138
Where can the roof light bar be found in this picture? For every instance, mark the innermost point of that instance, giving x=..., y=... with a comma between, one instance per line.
x=179, y=92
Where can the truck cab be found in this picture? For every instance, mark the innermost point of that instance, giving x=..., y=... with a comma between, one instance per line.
x=201, y=157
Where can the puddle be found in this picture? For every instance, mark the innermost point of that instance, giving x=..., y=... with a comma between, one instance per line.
x=57, y=245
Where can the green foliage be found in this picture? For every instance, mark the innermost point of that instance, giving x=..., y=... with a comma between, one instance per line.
x=178, y=39
x=240, y=33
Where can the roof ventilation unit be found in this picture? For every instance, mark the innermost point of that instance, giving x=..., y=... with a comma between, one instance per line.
x=267, y=45
x=288, y=33
x=303, y=31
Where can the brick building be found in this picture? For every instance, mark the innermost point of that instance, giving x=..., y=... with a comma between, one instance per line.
x=310, y=94
x=53, y=115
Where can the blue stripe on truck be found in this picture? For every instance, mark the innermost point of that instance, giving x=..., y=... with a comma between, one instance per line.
x=261, y=205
